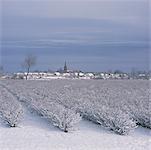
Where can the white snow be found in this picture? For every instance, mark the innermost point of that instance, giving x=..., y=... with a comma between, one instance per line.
x=35, y=133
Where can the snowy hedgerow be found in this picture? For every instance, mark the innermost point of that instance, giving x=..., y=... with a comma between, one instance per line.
x=117, y=121
x=12, y=115
x=142, y=112
x=112, y=119
x=138, y=106
x=141, y=115
x=11, y=111
x=69, y=119
x=144, y=119
x=59, y=116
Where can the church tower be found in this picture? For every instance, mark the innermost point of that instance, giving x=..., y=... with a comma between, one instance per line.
x=65, y=67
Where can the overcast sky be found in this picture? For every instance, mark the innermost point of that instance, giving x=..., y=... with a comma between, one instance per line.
x=97, y=35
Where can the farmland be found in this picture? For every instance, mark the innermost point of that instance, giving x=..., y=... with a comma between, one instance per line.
x=114, y=108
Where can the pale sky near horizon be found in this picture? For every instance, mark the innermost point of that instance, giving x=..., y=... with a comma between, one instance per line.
x=91, y=35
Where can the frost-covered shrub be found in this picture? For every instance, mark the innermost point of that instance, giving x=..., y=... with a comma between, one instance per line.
x=112, y=119
x=142, y=111
x=143, y=119
x=141, y=115
x=58, y=115
x=11, y=111
x=12, y=115
x=61, y=117
x=117, y=121
x=137, y=105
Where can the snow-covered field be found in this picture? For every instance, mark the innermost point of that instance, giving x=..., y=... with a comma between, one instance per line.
x=54, y=106
x=35, y=133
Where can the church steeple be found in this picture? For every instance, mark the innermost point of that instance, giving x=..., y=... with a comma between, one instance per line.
x=65, y=67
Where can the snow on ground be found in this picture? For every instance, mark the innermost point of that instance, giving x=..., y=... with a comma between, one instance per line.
x=35, y=133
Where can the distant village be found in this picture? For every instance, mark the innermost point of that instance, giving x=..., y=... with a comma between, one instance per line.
x=70, y=74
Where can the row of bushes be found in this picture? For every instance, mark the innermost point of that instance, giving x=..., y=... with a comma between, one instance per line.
x=65, y=119
x=11, y=112
x=118, y=106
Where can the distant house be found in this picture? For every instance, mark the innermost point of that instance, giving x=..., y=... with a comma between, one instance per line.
x=81, y=74
x=57, y=73
x=89, y=75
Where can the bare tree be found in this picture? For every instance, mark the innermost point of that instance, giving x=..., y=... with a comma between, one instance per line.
x=29, y=61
